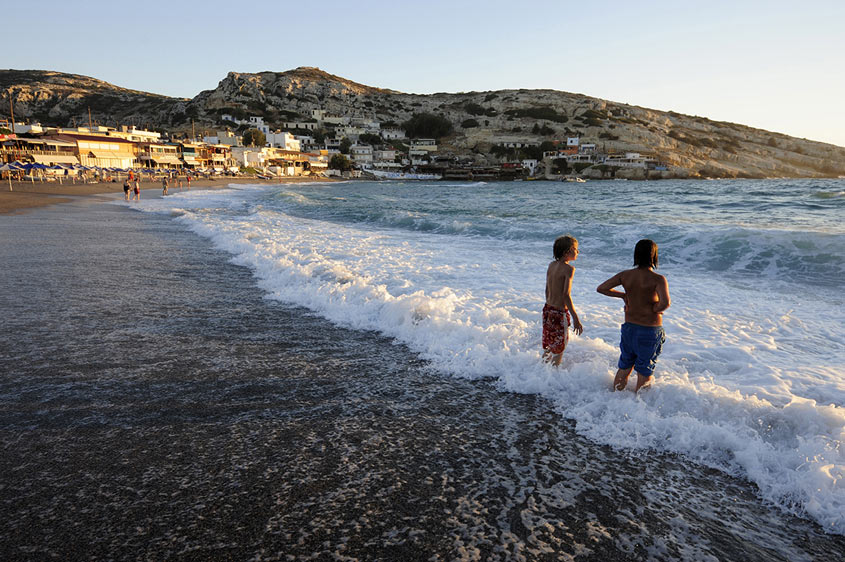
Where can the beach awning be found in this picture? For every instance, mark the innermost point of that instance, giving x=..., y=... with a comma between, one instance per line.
x=111, y=154
x=55, y=158
x=166, y=159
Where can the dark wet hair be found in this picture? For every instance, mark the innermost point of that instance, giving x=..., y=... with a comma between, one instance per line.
x=562, y=245
x=645, y=253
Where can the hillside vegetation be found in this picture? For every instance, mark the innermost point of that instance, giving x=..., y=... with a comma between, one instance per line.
x=480, y=120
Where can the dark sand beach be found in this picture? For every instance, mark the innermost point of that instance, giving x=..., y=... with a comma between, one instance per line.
x=18, y=196
x=154, y=405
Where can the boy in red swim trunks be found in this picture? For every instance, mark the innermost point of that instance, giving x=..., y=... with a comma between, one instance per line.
x=559, y=307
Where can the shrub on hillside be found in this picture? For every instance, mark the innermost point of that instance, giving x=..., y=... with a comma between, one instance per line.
x=543, y=112
x=427, y=125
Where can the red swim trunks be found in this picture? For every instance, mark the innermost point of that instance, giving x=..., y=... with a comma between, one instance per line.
x=555, y=329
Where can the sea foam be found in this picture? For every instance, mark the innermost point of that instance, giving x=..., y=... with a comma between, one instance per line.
x=746, y=383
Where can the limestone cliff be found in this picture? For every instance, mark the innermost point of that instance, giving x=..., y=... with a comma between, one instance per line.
x=693, y=146
x=59, y=99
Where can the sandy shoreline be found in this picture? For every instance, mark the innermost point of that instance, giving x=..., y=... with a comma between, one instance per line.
x=25, y=195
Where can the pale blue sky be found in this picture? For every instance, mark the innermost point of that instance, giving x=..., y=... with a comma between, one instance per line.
x=775, y=65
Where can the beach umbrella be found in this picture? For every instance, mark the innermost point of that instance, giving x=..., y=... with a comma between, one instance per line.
x=9, y=168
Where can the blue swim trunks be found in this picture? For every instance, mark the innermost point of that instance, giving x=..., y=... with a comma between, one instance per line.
x=640, y=346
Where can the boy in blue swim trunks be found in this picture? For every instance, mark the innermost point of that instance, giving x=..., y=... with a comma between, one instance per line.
x=646, y=296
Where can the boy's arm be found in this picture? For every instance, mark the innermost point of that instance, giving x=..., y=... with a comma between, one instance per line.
x=663, y=300
x=607, y=288
x=567, y=300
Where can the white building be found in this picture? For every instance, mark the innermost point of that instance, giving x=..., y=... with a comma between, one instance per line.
x=392, y=134
x=572, y=141
x=517, y=143
x=224, y=137
x=283, y=140
x=530, y=165
x=425, y=145
x=34, y=128
x=306, y=143
x=136, y=135
x=361, y=154
x=385, y=159
x=250, y=156
x=349, y=131
x=630, y=160
x=304, y=125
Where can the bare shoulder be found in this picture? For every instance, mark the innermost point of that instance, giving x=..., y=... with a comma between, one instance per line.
x=657, y=277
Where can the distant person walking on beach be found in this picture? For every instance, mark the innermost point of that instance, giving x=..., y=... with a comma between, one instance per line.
x=646, y=296
x=164, y=185
x=126, y=188
x=137, y=192
x=559, y=307
x=188, y=181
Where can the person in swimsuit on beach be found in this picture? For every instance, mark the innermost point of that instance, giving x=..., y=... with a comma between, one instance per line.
x=559, y=307
x=646, y=296
x=165, y=183
x=137, y=192
x=126, y=190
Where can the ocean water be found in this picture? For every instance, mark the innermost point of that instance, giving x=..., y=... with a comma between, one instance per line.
x=750, y=381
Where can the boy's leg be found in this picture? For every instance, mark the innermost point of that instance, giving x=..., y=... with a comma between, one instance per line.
x=556, y=359
x=621, y=379
x=642, y=381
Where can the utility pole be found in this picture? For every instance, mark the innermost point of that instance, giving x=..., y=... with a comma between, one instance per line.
x=12, y=110
x=193, y=133
x=90, y=126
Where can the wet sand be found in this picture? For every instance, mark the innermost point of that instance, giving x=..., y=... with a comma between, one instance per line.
x=25, y=195
x=155, y=405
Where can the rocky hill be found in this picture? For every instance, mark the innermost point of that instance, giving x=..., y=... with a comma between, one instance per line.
x=59, y=99
x=693, y=146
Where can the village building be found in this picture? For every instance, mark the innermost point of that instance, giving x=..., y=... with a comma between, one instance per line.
x=301, y=125
x=227, y=138
x=159, y=156
x=283, y=140
x=190, y=155
x=39, y=151
x=392, y=134
x=100, y=150
x=361, y=154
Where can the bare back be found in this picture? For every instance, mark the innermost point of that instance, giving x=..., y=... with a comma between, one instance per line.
x=643, y=287
x=646, y=295
x=559, y=284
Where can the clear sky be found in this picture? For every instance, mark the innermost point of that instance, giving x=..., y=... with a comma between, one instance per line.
x=773, y=64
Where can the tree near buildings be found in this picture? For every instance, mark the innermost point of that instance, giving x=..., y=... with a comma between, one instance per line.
x=340, y=162
x=345, y=145
x=254, y=137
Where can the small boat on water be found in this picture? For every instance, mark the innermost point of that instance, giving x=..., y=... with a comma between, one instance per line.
x=574, y=179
